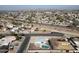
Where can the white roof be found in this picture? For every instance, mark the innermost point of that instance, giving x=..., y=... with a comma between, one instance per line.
x=10, y=25
x=7, y=40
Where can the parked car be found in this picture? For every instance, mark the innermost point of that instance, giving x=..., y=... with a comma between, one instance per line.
x=11, y=46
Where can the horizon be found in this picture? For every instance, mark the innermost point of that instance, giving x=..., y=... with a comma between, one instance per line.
x=25, y=7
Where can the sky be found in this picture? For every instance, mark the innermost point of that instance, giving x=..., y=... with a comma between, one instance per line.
x=24, y=7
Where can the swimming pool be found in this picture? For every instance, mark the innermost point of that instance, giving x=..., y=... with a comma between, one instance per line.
x=40, y=39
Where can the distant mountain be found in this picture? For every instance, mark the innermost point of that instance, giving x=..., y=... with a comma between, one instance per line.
x=24, y=7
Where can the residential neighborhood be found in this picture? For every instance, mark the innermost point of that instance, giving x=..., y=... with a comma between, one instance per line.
x=50, y=31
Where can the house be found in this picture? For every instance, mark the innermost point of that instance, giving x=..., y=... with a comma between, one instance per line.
x=6, y=41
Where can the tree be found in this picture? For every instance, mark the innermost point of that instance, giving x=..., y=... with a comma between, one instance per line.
x=60, y=18
x=1, y=36
x=18, y=37
x=75, y=23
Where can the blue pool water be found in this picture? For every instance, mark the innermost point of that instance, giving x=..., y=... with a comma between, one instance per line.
x=40, y=39
x=43, y=44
